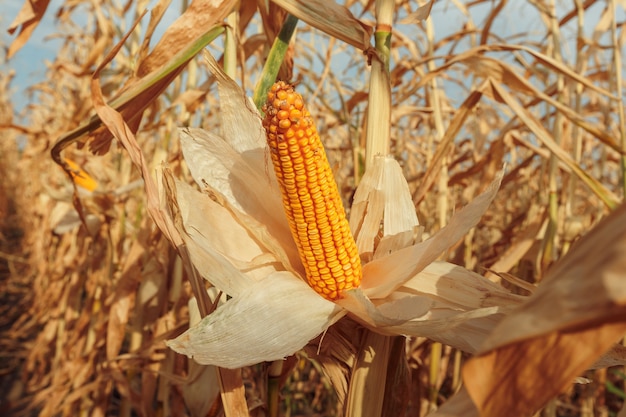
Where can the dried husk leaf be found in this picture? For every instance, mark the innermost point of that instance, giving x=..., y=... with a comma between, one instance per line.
x=237, y=165
x=440, y=300
x=241, y=122
x=215, y=241
x=201, y=388
x=269, y=320
x=465, y=331
x=383, y=275
x=383, y=196
x=215, y=165
x=363, y=310
x=243, y=179
x=213, y=227
x=577, y=313
x=460, y=288
x=443, y=302
x=464, y=306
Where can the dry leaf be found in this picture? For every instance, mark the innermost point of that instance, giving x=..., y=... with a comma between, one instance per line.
x=576, y=314
x=331, y=18
x=28, y=18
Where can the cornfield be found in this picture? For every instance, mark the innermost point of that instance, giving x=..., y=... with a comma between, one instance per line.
x=478, y=147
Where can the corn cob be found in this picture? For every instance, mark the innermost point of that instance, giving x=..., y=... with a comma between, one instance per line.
x=310, y=197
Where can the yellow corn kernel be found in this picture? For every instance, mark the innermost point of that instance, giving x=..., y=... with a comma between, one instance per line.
x=81, y=177
x=310, y=197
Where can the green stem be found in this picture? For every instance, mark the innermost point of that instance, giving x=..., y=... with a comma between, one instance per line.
x=383, y=44
x=274, y=60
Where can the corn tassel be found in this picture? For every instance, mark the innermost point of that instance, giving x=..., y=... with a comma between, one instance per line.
x=310, y=197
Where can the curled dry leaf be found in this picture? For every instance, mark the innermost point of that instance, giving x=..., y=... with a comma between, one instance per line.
x=198, y=19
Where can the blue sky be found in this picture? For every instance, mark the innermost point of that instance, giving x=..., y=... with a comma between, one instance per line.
x=29, y=63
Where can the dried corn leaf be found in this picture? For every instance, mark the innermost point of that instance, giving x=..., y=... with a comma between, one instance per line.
x=577, y=313
x=422, y=12
x=200, y=23
x=460, y=405
x=123, y=301
x=331, y=18
x=544, y=59
x=28, y=18
x=608, y=197
x=443, y=147
x=504, y=74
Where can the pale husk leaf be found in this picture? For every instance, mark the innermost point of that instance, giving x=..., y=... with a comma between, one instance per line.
x=248, y=187
x=270, y=320
x=383, y=275
x=460, y=288
x=464, y=330
x=211, y=160
x=383, y=195
x=197, y=219
x=394, y=312
x=443, y=302
x=465, y=307
x=213, y=227
x=236, y=162
x=241, y=122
